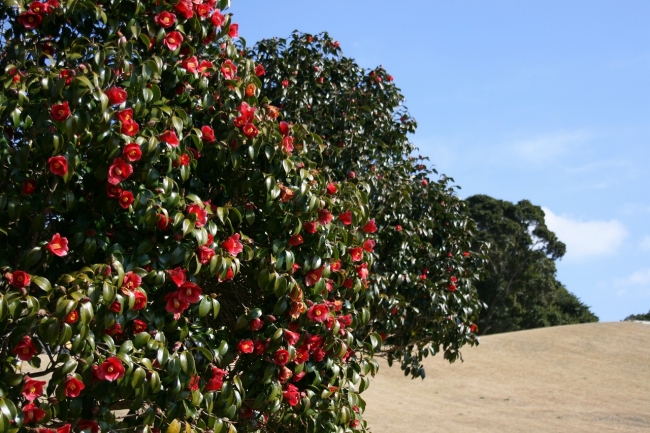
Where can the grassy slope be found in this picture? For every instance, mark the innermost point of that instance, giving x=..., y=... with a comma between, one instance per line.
x=578, y=378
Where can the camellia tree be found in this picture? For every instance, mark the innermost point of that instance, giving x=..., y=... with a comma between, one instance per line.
x=176, y=256
x=421, y=292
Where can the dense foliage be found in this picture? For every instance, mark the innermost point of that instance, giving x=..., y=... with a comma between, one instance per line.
x=645, y=317
x=520, y=288
x=422, y=297
x=173, y=249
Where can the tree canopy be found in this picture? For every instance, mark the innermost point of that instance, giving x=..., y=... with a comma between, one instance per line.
x=520, y=288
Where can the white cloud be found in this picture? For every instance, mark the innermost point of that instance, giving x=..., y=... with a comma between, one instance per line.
x=645, y=243
x=586, y=239
x=638, y=278
x=549, y=147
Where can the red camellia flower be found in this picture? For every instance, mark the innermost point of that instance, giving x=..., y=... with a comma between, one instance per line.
x=140, y=300
x=287, y=144
x=370, y=227
x=130, y=128
x=60, y=112
x=88, y=424
x=302, y=355
x=28, y=187
x=73, y=387
x=67, y=74
x=398, y=228
x=30, y=20
x=217, y=19
x=207, y=134
x=116, y=95
x=131, y=281
x=281, y=357
x=256, y=324
x=284, y=374
x=111, y=369
x=466, y=254
x=113, y=330
x=164, y=222
x=190, y=64
x=331, y=188
x=132, y=152
x=324, y=216
x=126, y=198
x=246, y=346
x=118, y=171
x=116, y=307
x=165, y=19
x=352, y=175
x=125, y=116
x=58, y=165
x=335, y=265
x=291, y=395
x=37, y=7
x=259, y=70
x=25, y=350
x=194, y=382
x=425, y=182
x=346, y=218
x=356, y=254
x=295, y=240
x=318, y=312
x=284, y=128
x=285, y=83
x=173, y=40
x=204, y=66
x=139, y=326
x=185, y=8
x=311, y=226
x=233, y=31
x=369, y=245
x=175, y=304
x=201, y=214
x=229, y=70
x=178, y=276
x=451, y=287
x=32, y=389
x=58, y=246
x=169, y=137
x=233, y=245
x=32, y=413
x=113, y=191
x=183, y=160
x=214, y=384
x=20, y=279
x=189, y=292
x=290, y=337
x=250, y=130
x=313, y=276
x=362, y=271
x=71, y=318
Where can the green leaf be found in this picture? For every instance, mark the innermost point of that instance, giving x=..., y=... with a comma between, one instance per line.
x=43, y=283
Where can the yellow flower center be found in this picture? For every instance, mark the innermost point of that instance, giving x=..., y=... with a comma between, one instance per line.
x=56, y=246
x=110, y=369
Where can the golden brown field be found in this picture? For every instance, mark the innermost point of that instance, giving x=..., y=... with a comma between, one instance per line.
x=577, y=378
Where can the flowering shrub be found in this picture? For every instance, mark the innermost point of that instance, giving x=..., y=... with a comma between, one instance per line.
x=425, y=262
x=171, y=250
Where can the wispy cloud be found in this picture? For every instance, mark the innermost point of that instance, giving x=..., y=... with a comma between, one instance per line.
x=546, y=148
x=645, y=243
x=638, y=282
x=586, y=239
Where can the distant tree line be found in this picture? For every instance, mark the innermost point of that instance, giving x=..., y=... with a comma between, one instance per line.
x=520, y=289
x=645, y=316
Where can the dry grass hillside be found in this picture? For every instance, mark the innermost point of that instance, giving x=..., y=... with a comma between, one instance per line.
x=578, y=378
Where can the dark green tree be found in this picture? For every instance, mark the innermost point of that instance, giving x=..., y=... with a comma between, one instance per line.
x=639, y=316
x=521, y=290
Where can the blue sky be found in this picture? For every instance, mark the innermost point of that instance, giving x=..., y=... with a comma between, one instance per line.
x=546, y=101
